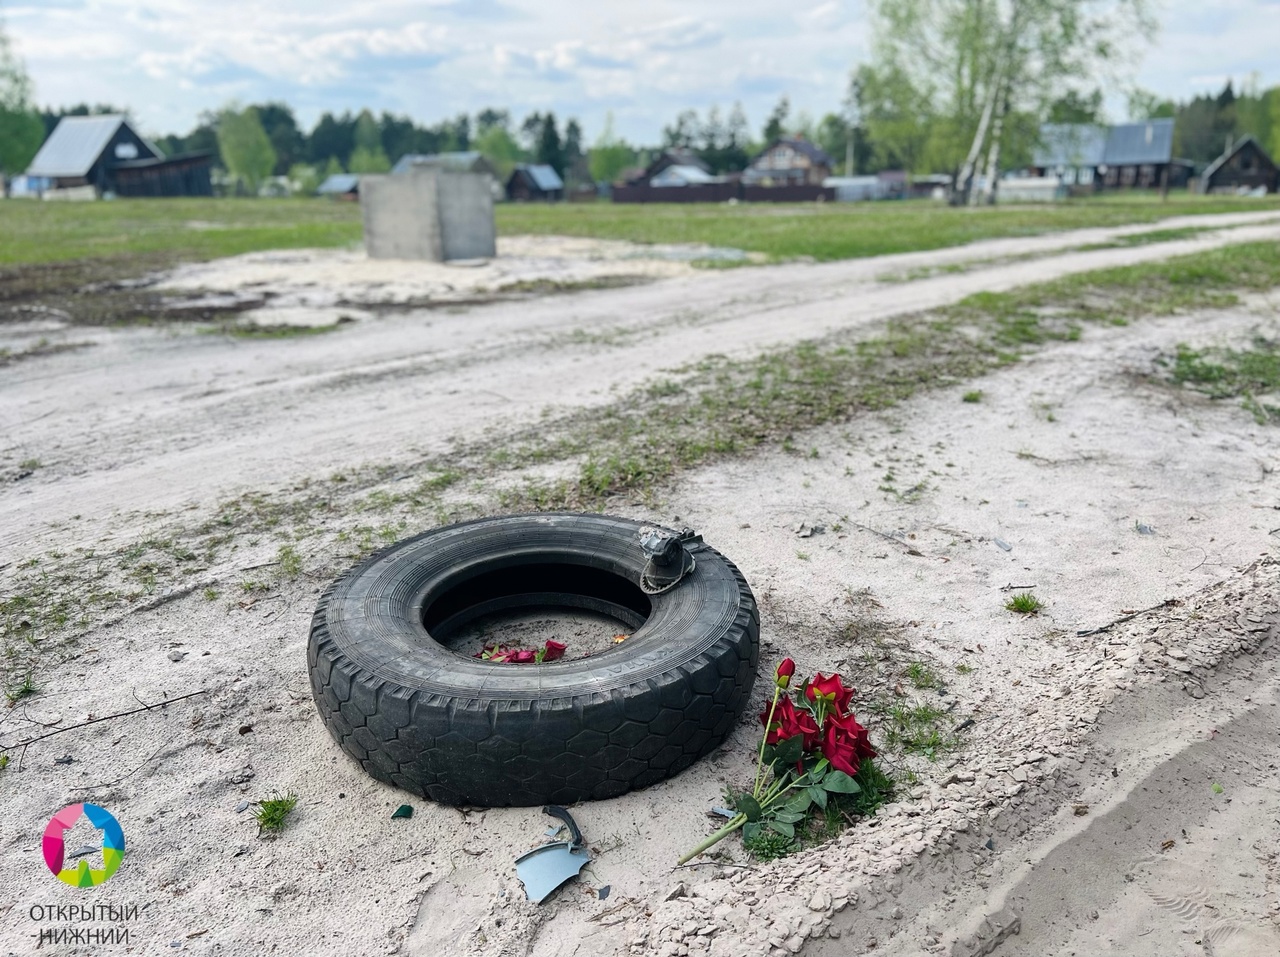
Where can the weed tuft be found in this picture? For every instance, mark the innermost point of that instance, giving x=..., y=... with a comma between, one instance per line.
x=1024, y=603
x=272, y=813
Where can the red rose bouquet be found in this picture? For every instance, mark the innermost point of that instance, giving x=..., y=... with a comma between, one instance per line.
x=812, y=747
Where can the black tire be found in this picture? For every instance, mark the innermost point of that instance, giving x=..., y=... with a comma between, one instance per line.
x=458, y=730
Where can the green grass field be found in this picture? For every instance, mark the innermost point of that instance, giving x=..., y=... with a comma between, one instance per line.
x=195, y=229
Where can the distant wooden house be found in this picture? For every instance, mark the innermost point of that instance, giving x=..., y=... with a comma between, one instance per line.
x=107, y=154
x=1245, y=165
x=534, y=182
x=1124, y=156
x=789, y=161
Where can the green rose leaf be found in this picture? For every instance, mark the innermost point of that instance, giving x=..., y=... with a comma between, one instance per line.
x=817, y=795
x=781, y=827
x=788, y=817
x=749, y=806
x=837, y=782
x=800, y=803
x=787, y=753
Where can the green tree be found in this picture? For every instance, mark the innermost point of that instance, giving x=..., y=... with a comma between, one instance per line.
x=369, y=155
x=499, y=147
x=286, y=139
x=776, y=125
x=980, y=61
x=245, y=147
x=1145, y=105
x=1075, y=108
x=21, y=130
x=365, y=160
x=304, y=179
x=610, y=154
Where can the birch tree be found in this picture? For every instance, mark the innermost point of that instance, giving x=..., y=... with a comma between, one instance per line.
x=978, y=60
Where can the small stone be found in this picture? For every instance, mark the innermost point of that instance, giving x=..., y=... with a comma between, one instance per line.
x=678, y=891
x=820, y=901
x=793, y=944
x=177, y=655
x=896, y=913
x=242, y=806
x=1177, y=653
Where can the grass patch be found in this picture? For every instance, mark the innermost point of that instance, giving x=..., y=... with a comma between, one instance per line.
x=917, y=729
x=177, y=229
x=1024, y=603
x=290, y=561
x=830, y=231
x=1147, y=238
x=26, y=688
x=272, y=813
x=42, y=347
x=1252, y=375
x=1033, y=315
x=973, y=396
x=922, y=676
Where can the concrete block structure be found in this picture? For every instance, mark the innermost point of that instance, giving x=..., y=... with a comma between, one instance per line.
x=428, y=213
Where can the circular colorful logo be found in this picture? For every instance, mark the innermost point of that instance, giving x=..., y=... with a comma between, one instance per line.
x=80, y=874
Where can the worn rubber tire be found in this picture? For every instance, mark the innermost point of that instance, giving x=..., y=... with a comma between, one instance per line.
x=458, y=730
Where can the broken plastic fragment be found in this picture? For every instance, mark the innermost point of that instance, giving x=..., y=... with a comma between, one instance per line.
x=404, y=810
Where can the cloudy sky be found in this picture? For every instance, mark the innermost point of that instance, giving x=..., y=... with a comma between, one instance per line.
x=167, y=60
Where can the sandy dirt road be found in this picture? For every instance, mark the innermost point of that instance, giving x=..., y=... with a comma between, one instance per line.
x=1068, y=452
x=150, y=420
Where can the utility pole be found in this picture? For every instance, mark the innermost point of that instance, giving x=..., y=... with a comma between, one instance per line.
x=848, y=152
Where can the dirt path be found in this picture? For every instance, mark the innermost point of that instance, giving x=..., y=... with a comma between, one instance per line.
x=154, y=420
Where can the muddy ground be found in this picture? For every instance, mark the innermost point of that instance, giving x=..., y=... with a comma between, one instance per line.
x=178, y=499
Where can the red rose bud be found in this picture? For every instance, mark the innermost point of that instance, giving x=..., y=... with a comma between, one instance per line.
x=785, y=671
x=555, y=650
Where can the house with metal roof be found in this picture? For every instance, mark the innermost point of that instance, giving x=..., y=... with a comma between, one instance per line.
x=684, y=176
x=1124, y=156
x=789, y=161
x=459, y=161
x=105, y=152
x=539, y=182
x=341, y=186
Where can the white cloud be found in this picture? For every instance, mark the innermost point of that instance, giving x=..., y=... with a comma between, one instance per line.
x=169, y=60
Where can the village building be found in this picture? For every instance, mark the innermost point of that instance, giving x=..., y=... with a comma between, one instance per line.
x=684, y=176
x=789, y=161
x=534, y=182
x=107, y=154
x=344, y=186
x=663, y=161
x=1244, y=165
x=1124, y=156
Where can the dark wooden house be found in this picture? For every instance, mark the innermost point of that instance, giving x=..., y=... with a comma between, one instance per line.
x=105, y=152
x=1245, y=166
x=534, y=182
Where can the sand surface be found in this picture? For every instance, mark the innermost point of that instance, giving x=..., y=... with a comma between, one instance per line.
x=1068, y=453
